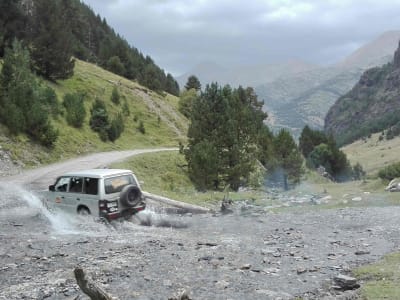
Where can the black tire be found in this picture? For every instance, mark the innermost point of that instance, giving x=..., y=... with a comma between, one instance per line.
x=83, y=211
x=130, y=196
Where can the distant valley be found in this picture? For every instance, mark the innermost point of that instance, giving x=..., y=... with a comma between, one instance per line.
x=296, y=93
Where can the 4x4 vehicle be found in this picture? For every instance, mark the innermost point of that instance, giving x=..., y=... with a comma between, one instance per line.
x=106, y=193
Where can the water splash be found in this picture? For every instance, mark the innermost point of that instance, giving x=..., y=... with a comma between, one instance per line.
x=15, y=201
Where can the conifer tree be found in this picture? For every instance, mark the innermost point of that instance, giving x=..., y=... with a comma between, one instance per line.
x=193, y=83
x=288, y=157
x=51, y=41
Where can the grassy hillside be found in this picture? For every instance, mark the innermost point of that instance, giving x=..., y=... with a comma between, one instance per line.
x=164, y=125
x=373, y=154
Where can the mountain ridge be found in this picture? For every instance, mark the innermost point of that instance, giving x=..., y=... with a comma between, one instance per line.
x=372, y=105
x=297, y=93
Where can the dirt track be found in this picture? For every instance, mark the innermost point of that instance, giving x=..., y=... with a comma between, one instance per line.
x=249, y=254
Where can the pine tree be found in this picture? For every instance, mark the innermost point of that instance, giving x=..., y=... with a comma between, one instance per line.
x=12, y=22
x=223, y=136
x=193, y=83
x=51, y=41
x=288, y=157
x=23, y=99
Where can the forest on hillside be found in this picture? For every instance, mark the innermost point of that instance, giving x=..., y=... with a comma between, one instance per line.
x=55, y=31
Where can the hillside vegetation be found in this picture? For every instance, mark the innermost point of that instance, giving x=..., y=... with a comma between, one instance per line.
x=373, y=153
x=163, y=124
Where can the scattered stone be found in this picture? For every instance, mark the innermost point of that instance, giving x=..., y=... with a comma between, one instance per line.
x=222, y=284
x=206, y=258
x=301, y=270
x=274, y=295
x=345, y=282
x=356, y=199
x=362, y=252
x=208, y=244
x=245, y=267
x=181, y=295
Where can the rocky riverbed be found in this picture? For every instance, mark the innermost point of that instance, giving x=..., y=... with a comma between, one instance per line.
x=247, y=254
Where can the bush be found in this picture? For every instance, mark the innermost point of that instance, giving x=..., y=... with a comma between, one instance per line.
x=358, y=172
x=390, y=172
x=116, y=128
x=115, y=97
x=75, y=108
x=99, y=119
x=141, y=127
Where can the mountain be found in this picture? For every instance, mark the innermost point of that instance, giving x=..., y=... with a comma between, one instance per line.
x=296, y=93
x=250, y=75
x=372, y=105
x=377, y=52
x=304, y=98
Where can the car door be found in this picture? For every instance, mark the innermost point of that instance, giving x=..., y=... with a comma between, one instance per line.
x=60, y=197
x=74, y=195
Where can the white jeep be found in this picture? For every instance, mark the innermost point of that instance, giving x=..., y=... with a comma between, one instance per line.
x=106, y=193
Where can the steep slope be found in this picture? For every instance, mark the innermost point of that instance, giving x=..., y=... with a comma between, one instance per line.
x=372, y=105
x=305, y=98
x=164, y=125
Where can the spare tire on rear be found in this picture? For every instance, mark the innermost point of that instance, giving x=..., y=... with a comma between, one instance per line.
x=130, y=196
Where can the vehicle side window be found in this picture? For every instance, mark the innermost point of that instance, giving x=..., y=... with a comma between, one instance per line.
x=116, y=184
x=76, y=185
x=91, y=186
x=62, y=184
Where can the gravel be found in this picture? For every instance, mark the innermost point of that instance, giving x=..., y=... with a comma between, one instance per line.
x=247, y=254
x=233, y=256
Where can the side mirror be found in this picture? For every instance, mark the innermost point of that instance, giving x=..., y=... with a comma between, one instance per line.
x=52, y=188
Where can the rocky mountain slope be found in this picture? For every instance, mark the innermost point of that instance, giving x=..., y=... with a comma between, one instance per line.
x=371, y=106
x=305, y=98
x=296, y=93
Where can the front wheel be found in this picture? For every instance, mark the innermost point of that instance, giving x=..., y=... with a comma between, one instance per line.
x=83, y=211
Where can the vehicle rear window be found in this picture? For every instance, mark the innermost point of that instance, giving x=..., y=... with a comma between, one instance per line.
x=116, y=184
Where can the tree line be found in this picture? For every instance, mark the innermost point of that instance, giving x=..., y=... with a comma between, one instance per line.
x=228, y=140
x=55, y=31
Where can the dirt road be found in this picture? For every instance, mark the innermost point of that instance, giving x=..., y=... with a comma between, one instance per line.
x=248, y=254
x=42, y=177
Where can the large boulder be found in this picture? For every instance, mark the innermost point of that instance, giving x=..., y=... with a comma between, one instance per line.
x=394, y=185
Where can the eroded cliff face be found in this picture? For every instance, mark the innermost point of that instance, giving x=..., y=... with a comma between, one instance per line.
x=372, y=105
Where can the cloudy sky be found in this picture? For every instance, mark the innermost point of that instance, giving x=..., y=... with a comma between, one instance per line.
x=179, y=34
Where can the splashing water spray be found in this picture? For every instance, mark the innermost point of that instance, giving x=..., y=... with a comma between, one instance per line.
x=14, y=200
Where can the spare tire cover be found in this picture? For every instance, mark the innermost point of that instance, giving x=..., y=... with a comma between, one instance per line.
x=130, y=196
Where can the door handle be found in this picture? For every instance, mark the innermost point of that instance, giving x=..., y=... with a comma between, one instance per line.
x=77, y=199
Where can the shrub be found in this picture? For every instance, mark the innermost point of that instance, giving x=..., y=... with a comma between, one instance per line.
x=116, y=128
x=99, y=119
x=390, y=172
x=141, y=127
x=115, y=97
x=75, y=109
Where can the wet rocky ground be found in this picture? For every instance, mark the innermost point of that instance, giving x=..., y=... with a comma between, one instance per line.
x=249, y=253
